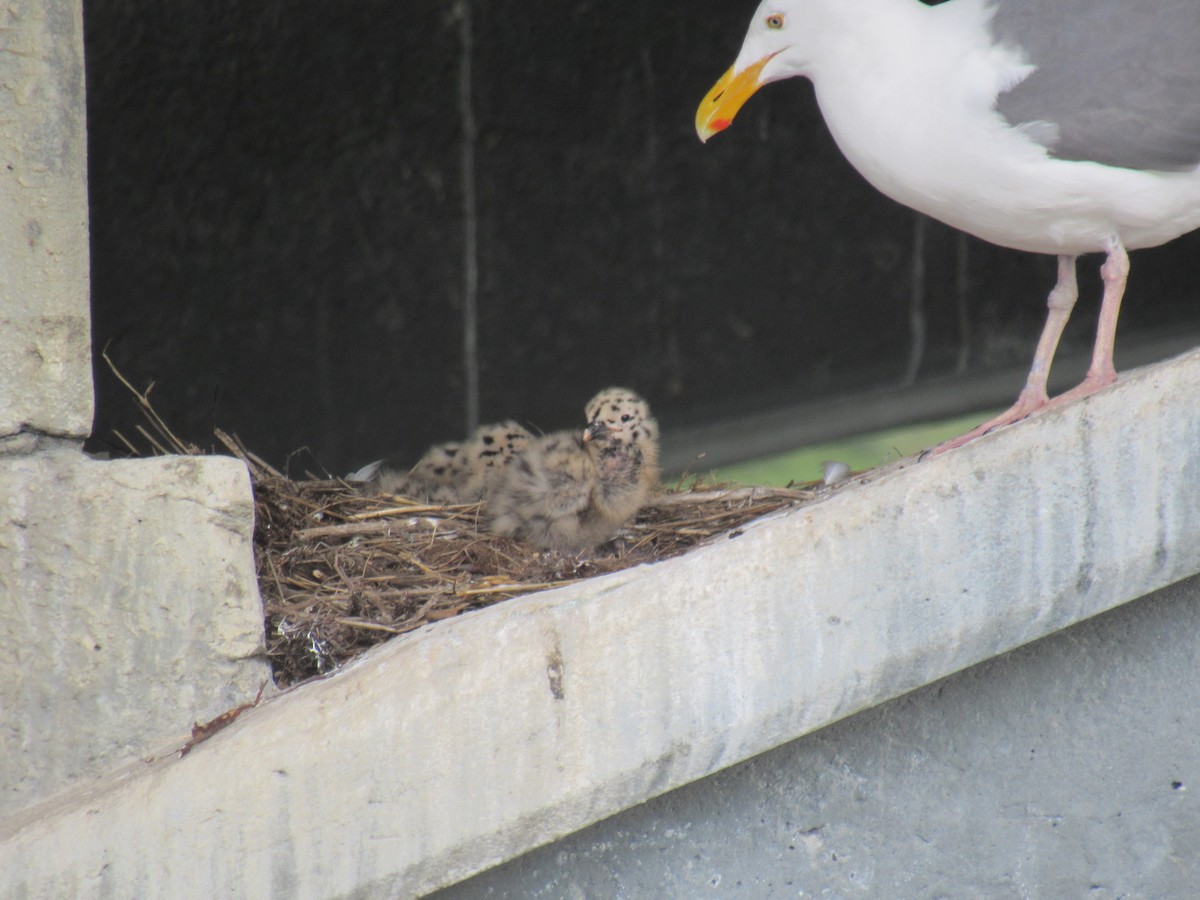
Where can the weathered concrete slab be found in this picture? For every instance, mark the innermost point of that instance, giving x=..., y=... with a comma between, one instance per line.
x=129, y=605
x=463, y=745
x=45, y=349
x=1065, y=769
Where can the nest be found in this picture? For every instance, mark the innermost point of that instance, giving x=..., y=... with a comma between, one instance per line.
x=340, y=572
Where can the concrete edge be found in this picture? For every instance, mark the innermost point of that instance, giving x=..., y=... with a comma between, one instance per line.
x=452, y=749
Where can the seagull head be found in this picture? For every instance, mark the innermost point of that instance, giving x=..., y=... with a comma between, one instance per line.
x=773, y=50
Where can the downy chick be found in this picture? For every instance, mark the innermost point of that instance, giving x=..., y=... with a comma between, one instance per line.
x=572, y=491
x=457, y=472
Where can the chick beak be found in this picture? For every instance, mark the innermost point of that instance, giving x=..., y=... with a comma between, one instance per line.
x=598, y=429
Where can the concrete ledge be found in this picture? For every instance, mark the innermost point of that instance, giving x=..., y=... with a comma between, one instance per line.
x=131, y=607
x=445, y=752
x=1064, y=769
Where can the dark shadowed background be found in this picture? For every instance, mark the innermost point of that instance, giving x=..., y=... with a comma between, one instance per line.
x=288, y=199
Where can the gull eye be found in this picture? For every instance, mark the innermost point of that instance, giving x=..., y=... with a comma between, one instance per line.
x=626, y=417
x=775, y=21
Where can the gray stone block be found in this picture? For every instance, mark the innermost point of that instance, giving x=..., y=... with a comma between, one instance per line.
x=45, y=350
x=130, y=609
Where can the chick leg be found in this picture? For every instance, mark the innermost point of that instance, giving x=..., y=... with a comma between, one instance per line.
x=1033, y=396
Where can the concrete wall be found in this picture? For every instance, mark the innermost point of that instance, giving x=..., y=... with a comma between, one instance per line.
x=128, y=600
x=1067, y=768
x=45, y=365
x=131, y=605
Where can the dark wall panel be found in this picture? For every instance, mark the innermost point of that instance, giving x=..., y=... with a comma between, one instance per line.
x=278, y=225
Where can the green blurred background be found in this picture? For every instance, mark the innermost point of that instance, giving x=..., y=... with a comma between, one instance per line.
x=861, y=452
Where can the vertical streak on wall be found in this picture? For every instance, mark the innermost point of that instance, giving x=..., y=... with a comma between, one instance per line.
x=470, y=318
x=662, y=296
x=329, y=409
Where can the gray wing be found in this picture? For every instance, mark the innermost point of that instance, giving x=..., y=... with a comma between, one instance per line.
x=1117, y=81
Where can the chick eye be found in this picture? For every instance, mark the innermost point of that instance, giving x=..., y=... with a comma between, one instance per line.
x=626, y=417
x=775, y=21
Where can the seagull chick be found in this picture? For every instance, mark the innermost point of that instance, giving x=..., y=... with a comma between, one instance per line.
x=571, y=491
x=458, y=472
x=434, y=477
x=489, y=453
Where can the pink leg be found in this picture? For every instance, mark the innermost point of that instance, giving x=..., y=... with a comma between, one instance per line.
x=1033, y=396
x=1102, y=372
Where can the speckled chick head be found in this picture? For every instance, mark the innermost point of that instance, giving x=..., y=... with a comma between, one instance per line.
x=621, y=416
x=621, y=438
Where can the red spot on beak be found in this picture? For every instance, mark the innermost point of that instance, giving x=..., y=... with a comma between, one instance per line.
x=719, y=124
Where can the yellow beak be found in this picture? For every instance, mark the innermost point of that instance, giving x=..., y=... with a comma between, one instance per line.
x=727, y=96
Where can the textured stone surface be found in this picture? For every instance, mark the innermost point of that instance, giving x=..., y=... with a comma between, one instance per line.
x=1068, y=768
x=452, y=749
x=45, y=352
x=129, y=604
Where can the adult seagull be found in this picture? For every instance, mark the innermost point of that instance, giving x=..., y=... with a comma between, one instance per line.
x=1053, y=126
